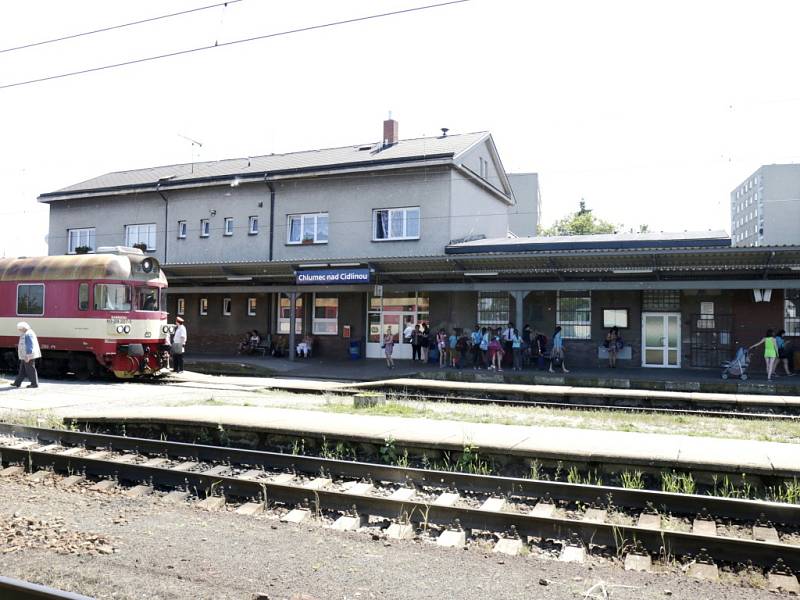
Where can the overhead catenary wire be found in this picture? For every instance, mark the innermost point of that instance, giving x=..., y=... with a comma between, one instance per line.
x=113, y=27
x=231, y=43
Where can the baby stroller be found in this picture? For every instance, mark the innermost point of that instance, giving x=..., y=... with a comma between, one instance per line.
x=738, y=366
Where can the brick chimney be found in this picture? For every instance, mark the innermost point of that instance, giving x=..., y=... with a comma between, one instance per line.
x=390, y=127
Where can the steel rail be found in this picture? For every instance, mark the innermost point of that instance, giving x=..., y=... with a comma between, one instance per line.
x=684, y=504
x=611, y=407
x=16, y=589
x=622, y=537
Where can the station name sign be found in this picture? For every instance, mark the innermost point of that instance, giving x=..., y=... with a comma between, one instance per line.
x=331, y=276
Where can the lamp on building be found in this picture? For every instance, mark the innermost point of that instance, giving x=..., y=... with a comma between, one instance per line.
x=762, y=295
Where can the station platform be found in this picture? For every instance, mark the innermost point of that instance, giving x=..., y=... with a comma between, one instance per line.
x=683, y=380
x=681, y=452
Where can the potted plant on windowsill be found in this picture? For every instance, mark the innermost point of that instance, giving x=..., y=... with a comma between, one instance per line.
x=82, y=250
x=141, y=246
x=308, y=240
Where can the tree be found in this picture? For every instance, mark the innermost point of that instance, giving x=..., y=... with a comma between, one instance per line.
x=582, y=222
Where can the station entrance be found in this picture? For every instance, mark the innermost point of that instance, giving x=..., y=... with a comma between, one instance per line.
x=392, y=313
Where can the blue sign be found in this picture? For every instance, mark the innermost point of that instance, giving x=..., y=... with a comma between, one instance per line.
x=331, y=276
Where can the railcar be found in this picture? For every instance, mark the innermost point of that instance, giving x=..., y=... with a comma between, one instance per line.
x=94, y=314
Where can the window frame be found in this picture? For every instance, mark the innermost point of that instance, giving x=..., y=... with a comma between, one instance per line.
x=205, y=228
x=251, y=221
x=324, y=320
x=79, y=230
x=83, y=285
x=227, y=227
x=299, y=315
x=791, y=324
x=609, y=325
x=203, y=307
x=252, y=306
x=303, y=217
x=30, y=314
x=569, y=323
x=125, y=285
x=180, y=307
x=390, y=210
x=182, y=230
x=227, y=306
x=129, y=228
x=504, y=313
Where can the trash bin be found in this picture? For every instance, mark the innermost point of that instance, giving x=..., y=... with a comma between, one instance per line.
x=355, y=349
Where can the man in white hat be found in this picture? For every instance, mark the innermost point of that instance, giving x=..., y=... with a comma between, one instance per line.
x=27, y=351
x=178, y=345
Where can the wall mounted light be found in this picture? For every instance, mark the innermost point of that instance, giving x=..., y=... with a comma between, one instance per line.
x=213, y=212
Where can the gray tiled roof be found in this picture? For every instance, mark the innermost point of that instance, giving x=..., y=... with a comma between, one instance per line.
x=422, y=148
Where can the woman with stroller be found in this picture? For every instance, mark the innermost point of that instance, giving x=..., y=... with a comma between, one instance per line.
x=770, y=352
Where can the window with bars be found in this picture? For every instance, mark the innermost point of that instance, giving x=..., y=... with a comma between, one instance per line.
x=493, y=309
x=574, y=315
x=661, y=300
x=791, y=312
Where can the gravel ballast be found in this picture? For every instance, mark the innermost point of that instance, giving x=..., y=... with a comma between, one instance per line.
x=107, y=545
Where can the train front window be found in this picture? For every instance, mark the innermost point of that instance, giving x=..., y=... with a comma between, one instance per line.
x=147, y=298
x=111, y=296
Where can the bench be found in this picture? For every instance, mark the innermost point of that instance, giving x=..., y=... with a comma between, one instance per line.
x=625, y=354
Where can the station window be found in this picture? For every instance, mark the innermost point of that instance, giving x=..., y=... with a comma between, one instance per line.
x=494, y=309
x=203, y=306
x=252, y=227
x=226, y=306
x=251, y=307
x=395, y=223
x=30, y=299
x=574, y=315
x=180, y=307
x=80, y=238
x=144, y=233
x=83, y=296
x=307, y=229
x=228, y=225
x=326, y=314
x=205, y=228
x=181, y=230
x=615, y=317
x=791, y=312
x=285, y=314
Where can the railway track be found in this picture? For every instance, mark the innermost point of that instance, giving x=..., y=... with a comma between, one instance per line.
x=628, y=522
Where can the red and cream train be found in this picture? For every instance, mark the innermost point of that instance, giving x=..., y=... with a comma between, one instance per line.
x=93, y=313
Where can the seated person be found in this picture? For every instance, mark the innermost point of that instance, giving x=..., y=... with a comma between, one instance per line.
x=304, y=347
x=255, y=341
x=244, y=345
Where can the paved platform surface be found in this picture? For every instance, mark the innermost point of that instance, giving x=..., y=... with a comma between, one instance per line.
x=690, y=380
x=684, y=452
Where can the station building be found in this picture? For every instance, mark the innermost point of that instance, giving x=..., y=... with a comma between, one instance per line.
x=349, y=243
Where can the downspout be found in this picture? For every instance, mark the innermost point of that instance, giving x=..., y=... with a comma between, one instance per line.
x=271, y=213
x=166, y=217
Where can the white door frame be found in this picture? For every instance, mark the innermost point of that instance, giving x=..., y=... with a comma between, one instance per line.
x=665, y=343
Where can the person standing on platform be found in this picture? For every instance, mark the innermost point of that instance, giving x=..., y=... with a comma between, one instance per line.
x=770, y=352
x=27, y=352
x=476, y=338
x=426, y=341
x=557, y=355
x=783, y=353
x=416, y=343
x=178, y=345
x=388, y=347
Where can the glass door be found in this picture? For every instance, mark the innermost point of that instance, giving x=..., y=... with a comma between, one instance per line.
x=393, y=313
x=661, y=340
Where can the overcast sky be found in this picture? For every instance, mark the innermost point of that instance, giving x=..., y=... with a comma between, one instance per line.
x=651, y=111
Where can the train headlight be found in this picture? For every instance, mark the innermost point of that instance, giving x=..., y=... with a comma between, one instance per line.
x=120, y=329
x=165, y=329
x=147, y=265
x=127, y=328
x=172, y=329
